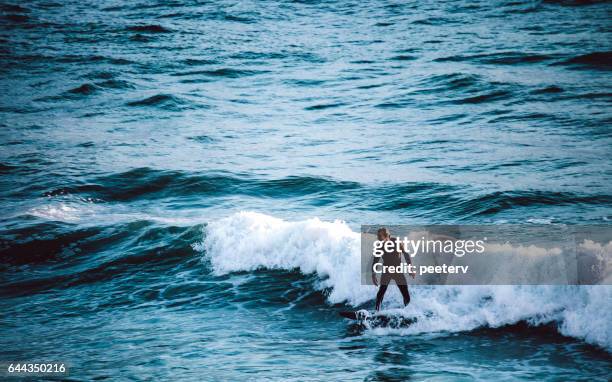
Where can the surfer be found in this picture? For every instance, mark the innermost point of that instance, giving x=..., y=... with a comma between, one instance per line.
x=391, y=258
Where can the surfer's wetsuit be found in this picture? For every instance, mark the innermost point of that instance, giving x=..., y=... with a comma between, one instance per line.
x=392, y=258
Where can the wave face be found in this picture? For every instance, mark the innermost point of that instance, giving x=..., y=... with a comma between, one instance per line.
x=129, y=128
x=248, y=241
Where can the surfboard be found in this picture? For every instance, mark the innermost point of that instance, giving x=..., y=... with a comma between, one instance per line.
x=356, y=315
x=378, y=318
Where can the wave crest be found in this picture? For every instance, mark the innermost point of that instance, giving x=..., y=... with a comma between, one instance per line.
x=247, y=241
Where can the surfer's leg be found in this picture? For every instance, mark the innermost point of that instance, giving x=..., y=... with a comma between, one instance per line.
x=405, y=294
x=380, y=295
x=400, y=280
x=384, y=283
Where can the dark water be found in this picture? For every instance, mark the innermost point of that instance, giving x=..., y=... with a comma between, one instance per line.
x=127, y=129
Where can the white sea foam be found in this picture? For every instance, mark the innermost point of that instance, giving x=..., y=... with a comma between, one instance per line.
x=71, y=209
x=247, y=241
x=57, y=211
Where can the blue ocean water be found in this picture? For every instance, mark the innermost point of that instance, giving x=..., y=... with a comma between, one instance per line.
x=139, y=138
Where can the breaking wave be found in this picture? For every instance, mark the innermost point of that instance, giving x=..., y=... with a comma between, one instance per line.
x=248, y=241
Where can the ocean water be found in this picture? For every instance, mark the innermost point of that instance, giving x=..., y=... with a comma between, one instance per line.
x=182, y=183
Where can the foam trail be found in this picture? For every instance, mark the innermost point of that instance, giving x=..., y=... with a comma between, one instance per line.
x=247, y=241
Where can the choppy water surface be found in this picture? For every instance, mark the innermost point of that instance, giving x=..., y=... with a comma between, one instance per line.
x=134, y=133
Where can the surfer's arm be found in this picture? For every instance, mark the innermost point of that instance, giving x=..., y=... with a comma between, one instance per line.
x=407, y=257
x=404, y=251
x=374, y=261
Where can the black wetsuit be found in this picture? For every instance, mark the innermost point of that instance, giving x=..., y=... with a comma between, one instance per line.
x=392, y=258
